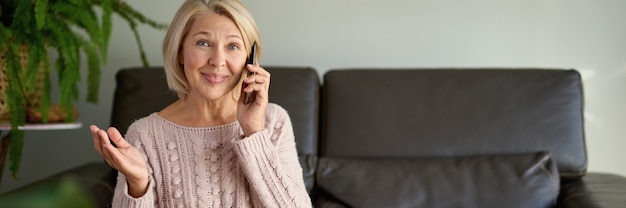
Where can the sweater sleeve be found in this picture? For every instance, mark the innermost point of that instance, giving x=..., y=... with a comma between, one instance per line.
x=270, y=163
x=121, y=198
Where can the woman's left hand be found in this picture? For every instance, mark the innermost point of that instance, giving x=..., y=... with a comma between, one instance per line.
x=251, y=116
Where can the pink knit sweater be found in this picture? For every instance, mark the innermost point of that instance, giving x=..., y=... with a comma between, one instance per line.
x=215, y=166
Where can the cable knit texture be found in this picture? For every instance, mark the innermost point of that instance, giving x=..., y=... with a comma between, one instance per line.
x=216, y=166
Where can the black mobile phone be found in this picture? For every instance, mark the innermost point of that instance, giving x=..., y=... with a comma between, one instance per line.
x=251, y=59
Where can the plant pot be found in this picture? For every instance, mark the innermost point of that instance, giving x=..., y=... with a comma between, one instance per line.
x=33, y=96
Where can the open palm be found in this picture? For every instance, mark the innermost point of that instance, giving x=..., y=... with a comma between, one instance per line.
x=123, y=156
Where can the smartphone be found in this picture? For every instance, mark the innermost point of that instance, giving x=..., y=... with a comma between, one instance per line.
x=251, y=59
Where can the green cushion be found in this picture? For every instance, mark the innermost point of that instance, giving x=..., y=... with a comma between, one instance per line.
x=66, y=192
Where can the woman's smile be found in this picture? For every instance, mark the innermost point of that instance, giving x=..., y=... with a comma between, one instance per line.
x=214, y=78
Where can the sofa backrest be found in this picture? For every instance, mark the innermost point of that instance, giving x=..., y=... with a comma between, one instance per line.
x=391, y=113
x=297, y=89
x=141, y=91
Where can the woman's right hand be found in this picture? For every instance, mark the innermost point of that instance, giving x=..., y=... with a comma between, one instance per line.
x=124, y=158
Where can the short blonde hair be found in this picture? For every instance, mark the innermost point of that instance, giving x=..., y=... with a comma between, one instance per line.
x=179, y=27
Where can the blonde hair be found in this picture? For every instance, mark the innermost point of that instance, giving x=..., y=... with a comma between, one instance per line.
x=179, y=27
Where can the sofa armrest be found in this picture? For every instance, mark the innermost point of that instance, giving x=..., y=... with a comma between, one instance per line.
x=94, y=181
x=594, y=190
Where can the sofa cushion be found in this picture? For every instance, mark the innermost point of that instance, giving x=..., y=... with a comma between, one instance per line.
x=521, y=180
x=454, y=112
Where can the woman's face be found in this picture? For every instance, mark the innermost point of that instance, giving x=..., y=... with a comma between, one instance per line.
x=213, y=55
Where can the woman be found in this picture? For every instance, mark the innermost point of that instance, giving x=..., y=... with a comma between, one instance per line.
x=208, y=148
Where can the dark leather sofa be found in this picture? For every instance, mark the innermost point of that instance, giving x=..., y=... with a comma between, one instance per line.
x=410, y=137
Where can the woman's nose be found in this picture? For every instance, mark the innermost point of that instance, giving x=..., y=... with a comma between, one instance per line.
x=217, y=58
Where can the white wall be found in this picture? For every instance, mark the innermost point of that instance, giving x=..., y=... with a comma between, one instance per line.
x=586, y=35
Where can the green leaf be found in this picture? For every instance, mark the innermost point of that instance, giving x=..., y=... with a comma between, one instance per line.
x=40, y=12
x=36, y=52
x=29, y=75
x=133, y=27
x=68, y=63
x=15, y=151
x=17, y=110
x=142, y=53
x=124, y=9
x=83, y=17
x=22, y=18
x=14, y=98
x=46, y=98
x=5, y=37
x=93, y=70
x=107, y=28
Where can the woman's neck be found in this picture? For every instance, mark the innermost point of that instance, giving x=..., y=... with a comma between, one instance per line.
x=201, y=113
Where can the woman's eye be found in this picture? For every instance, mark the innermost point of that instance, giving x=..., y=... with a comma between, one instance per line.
x=233, y=47
x=202, y=43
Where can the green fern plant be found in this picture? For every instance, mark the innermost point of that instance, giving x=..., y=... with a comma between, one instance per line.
x=72, y=28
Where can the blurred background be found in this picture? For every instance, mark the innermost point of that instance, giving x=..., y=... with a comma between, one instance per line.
x=589, y=36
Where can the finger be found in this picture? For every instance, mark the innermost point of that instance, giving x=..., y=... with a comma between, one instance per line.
x=257, y=69
x=117, y=138
x=106, y=146
x=256, y=79
x=113, y=156
x=96, y=138
x=261, y=77
x=251, y=88
x=260, y=86
x=103, y=142
x=259, y=92
x=252, y=67
x=106, y=154
x=258, y=76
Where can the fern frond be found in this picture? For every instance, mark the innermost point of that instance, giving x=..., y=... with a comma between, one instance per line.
x=17, y=109
x=93, y=69
x=5, y=36
x=69, y=84
x=14, y=98
x=5, y=41
x=22, y=17
x=142, y=52
x=124, y=9
x=84, y=18
x=65, y=95
x=76, y=1
x=132, y=16
x=36, y=52
x=40, y=9
x=68, y=63
x=46, y=99
x=133, y=27
x=15, y=149
x=69, y=48
x=106, y=28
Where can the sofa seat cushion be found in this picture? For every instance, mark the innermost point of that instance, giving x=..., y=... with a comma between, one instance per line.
x=521, y=180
